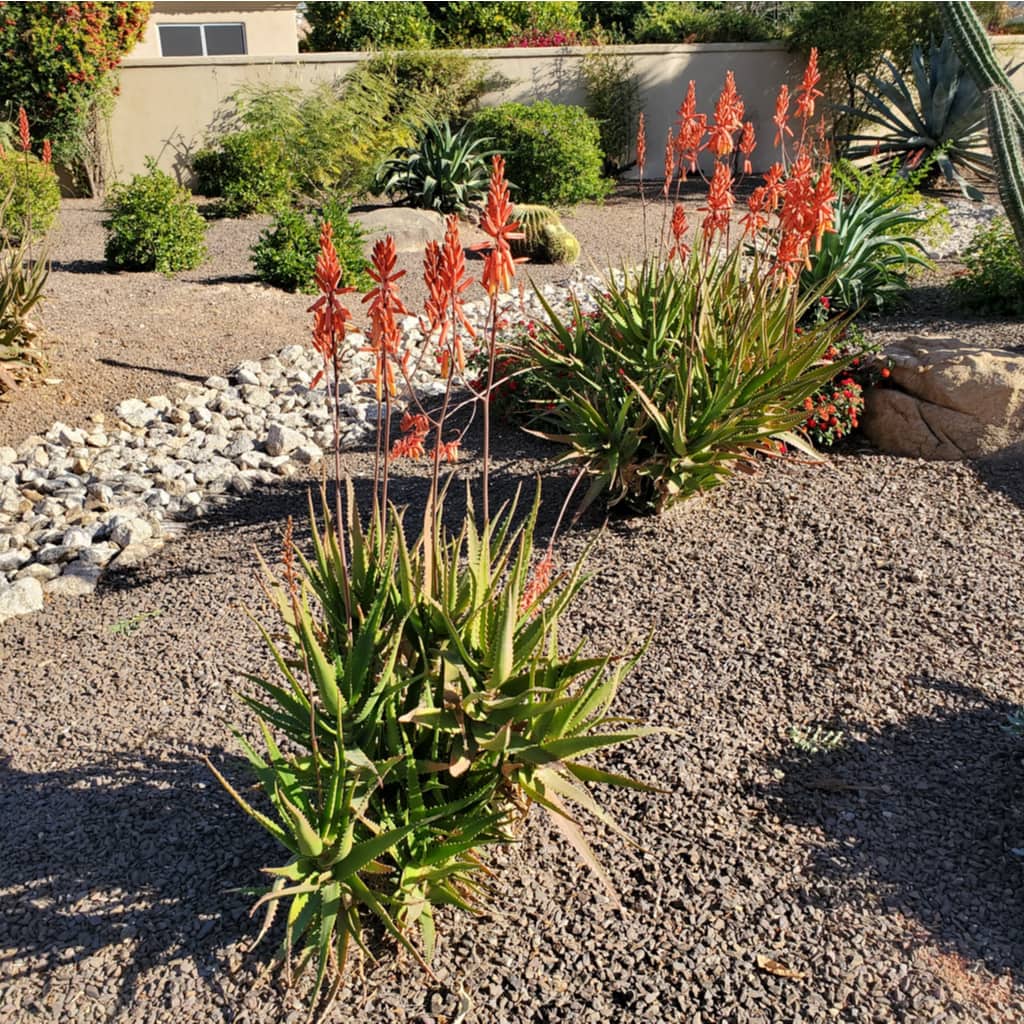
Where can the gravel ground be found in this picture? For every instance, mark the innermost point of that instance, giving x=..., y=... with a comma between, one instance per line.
x=873, y=596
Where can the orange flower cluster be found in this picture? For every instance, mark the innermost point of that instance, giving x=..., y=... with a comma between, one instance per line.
x=47, y=152
x=690, y=135
x=444, y=272
x=728, y=118
x=720, y=201
x=678, y=227
x=807, y=93
x=499, y=267
x=641, y=146
x=330, y=317
x=384, y=305
x=805, y=214
x=540, y=580
x=23, y=133
x=412, y=444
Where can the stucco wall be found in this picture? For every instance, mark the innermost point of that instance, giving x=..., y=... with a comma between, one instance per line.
x=167, y=105
x=270, y=28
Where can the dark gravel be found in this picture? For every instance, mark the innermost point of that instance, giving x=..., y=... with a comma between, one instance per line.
x=874, y=596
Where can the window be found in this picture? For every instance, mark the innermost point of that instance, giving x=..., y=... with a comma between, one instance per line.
x=201, y=40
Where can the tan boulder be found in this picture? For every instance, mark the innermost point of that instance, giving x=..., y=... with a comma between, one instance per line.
x=949, y=399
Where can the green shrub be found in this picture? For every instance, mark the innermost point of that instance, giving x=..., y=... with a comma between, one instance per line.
x=443, y=170
x=435, y=85
x=613, y=101
x=285, y=254
x=552, y=151
x=34, y=195
x=367, y=26
x=994, y=279
x=247, y=172
x=701, y=23
x=153, y=225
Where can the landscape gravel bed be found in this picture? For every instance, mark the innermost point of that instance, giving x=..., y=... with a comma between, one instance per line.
x=775, y=878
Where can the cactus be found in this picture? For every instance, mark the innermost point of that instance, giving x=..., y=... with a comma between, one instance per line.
x=532, y=218
x=559, y=245
x=1005, y=136
x=1004, y=107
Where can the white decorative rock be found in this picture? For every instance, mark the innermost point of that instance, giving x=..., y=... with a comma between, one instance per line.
x=79, y=579
x=125, y=531
x=135, y=412
x=22, y=597
x=281, y=440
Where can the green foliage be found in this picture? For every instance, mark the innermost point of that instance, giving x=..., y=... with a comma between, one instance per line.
x=443, y=170
x=701, y=23
x=874, y=244
x=941, y=121
x=368, y=26
x=532, y=218
x=153, y=225
x=285, y=254
x=613, y=101
x=480, y=23
x=816, y=740
x=994, y=279
x=853, y=37
x=677, y=375
x=57, y=59
x=248, y=171
x=434, y=85
x=559, y=245
x=23, y=277
x=32, y=195
x=423, y=704
x=552, y=151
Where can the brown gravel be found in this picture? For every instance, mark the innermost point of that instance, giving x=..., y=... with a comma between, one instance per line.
x=875, y=596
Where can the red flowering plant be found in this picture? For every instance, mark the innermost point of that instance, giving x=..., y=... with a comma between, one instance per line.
x=693, y=361
x=422, y=703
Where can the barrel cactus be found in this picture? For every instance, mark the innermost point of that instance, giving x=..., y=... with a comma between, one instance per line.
x=532, y=218
x=559, y=245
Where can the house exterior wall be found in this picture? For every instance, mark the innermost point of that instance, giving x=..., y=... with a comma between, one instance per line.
x=167, y=105
x=270, y=28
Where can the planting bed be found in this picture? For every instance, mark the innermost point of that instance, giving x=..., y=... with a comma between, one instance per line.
x=874, y=596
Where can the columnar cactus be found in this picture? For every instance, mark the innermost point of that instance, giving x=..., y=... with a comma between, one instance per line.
x=1004, y=106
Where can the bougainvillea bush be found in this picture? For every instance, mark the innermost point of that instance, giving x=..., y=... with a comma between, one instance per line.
x=57, y=60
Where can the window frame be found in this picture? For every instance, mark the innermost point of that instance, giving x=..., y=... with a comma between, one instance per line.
x=203, y=26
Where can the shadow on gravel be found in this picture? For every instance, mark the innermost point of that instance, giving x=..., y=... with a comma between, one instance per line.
x=924, y=814
x=134, y=849
x=163, y=371
x=80, y=266
x=1004, y=473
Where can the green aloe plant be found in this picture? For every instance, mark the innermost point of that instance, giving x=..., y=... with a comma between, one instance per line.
x=443, y=170
x=23, y=277
x=937, y=113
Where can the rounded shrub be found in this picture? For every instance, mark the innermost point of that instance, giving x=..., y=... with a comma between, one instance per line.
x=153, y=225
x=552, y=151
x=247, y=171
x=29, y=196
x=285, y=254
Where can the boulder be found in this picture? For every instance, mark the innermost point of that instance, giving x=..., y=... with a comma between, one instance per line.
x=411, y=229
x=948, y=399
x=20, y=598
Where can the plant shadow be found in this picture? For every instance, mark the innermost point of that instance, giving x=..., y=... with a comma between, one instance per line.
x=130, y=849
x=924, y=815
x=162, y=371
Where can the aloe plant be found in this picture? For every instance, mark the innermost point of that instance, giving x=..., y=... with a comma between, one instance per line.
x=23, y=277
x=938, y=114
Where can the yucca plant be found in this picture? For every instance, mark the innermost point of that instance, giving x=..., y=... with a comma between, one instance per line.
x=938, y=114
x=443, y=170
x=865, y=259
x=422, y=702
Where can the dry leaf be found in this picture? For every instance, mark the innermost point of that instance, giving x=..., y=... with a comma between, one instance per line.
x=766, y=963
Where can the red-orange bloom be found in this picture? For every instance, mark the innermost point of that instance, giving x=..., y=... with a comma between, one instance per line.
x=678, y=225
x=540, y=580
x=384, y=305
x=748, y=143
x=416, y=422
x=449, y=451
x=807, y=93
x=670, y=163
x=499, y=268
x=720, y=201
x=409, y=446
x=781, y=118
x=330, y=317
x=446, y=281
x=47, y=152
x=26, y=139
x=641, y=146
x=728, y=118
x=692, y=128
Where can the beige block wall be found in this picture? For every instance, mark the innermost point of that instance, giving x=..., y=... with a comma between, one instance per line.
x=270, y=28
x=167, y=105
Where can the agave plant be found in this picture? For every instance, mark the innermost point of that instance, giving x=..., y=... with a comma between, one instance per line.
x=23, y=276
x=939, y=116
x=443, y=170
x=865, y=259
